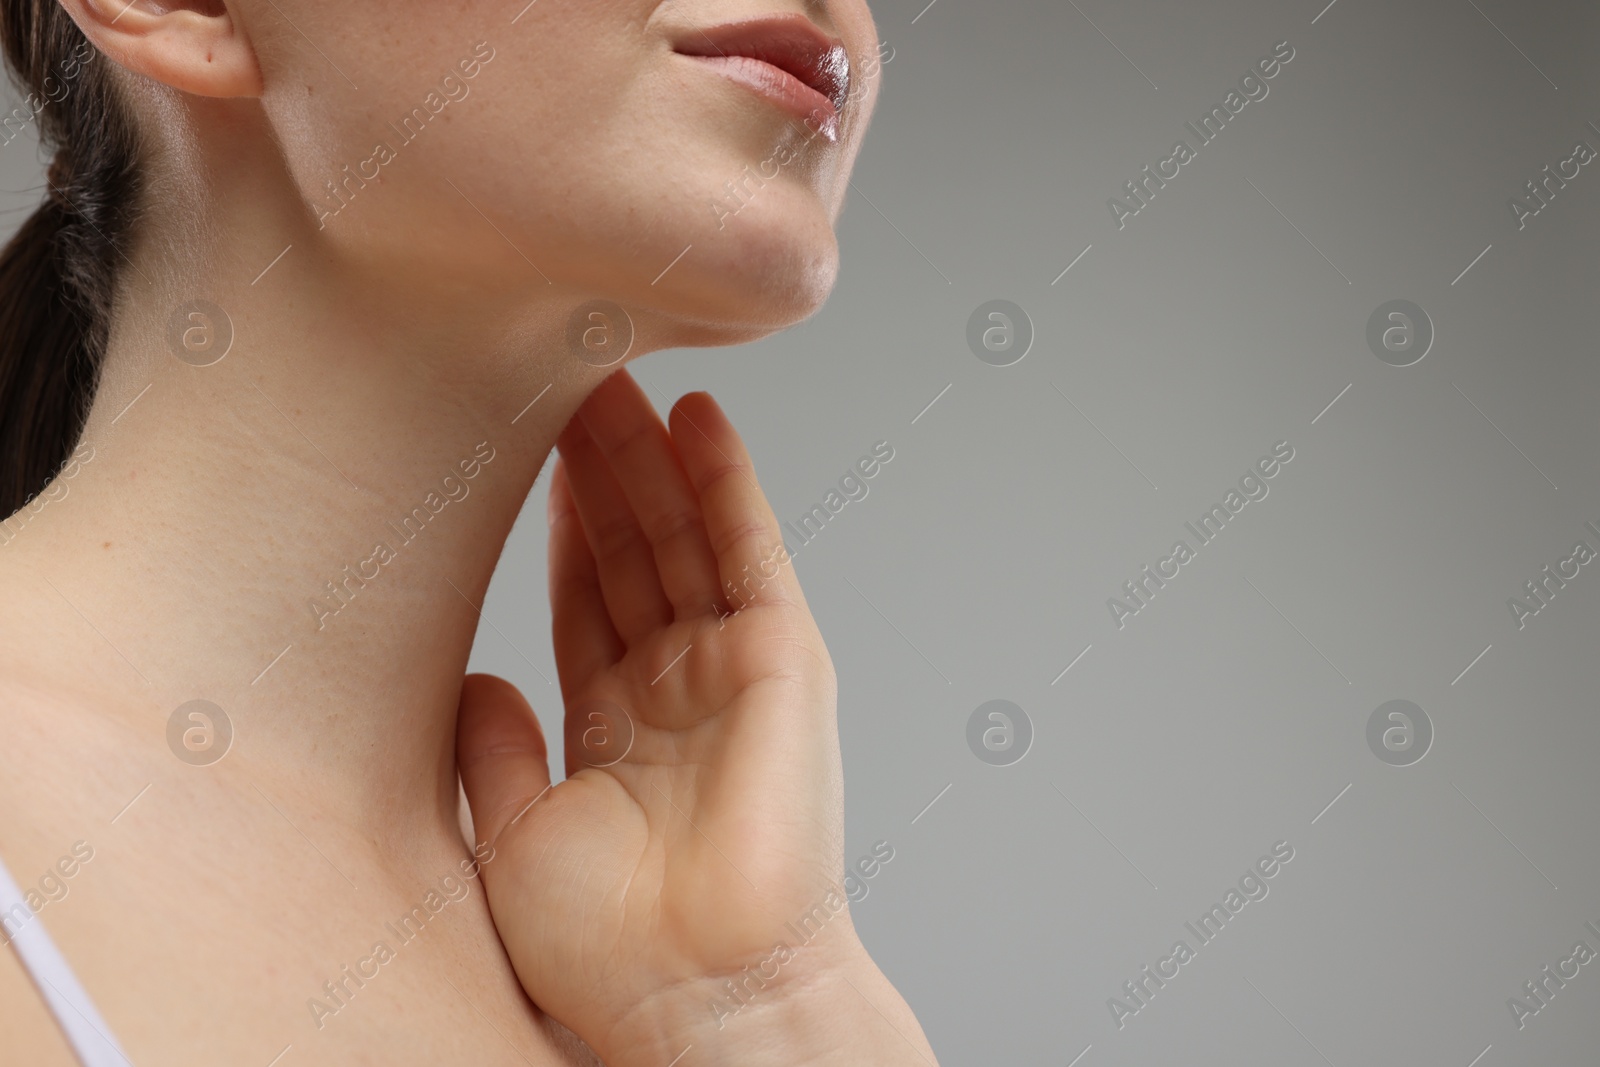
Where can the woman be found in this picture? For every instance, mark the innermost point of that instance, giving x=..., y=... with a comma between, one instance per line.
x=331, y=282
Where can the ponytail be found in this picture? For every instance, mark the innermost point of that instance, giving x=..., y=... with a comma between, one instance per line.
x=58, y=274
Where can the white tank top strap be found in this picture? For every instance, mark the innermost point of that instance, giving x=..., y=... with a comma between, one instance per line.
x=91, y=1039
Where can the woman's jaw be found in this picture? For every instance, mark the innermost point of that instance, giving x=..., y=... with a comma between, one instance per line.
x=389, y=316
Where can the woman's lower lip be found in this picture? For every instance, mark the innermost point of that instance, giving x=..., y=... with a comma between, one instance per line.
x=782, y=88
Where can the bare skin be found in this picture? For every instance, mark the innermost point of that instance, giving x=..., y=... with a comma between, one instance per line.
x=389, y=347
x=701, y=822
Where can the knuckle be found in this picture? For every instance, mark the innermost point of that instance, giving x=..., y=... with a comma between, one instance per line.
x=616, y=537
x=720, y=472
x=674, y=525
x=748, y=530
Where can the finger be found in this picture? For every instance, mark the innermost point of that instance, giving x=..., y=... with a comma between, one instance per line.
x=623, y=558
x=501, y=754
x=645, y=463
x=740, y=526
x=585, y=641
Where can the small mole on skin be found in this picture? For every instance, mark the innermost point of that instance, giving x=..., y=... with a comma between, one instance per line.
x=106, y=545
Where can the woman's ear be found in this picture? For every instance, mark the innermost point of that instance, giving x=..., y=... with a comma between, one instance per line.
x=197, y=46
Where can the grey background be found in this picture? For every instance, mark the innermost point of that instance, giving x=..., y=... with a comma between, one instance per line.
x=1227, y=714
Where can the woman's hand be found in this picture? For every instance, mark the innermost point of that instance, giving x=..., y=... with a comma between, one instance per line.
x=681, y=889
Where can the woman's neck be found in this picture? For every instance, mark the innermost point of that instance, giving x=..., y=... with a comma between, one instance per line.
x=301, y=532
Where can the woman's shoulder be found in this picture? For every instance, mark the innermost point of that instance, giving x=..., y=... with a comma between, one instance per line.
x=62, y=741
x=27, y=1032
x=51, y=781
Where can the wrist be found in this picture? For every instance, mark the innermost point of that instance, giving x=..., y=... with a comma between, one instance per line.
x=795, y=1006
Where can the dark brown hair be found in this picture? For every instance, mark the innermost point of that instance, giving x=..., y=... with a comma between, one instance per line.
x=58, y=275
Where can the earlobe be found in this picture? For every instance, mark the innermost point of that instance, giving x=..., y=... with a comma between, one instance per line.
x=195, y=46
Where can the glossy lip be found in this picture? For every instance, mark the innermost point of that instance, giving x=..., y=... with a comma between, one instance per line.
x=785, y=58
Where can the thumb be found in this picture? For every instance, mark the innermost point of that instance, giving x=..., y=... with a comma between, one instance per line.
x=500, y=752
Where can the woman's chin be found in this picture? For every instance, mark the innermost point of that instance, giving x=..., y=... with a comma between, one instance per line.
x=747, y=287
